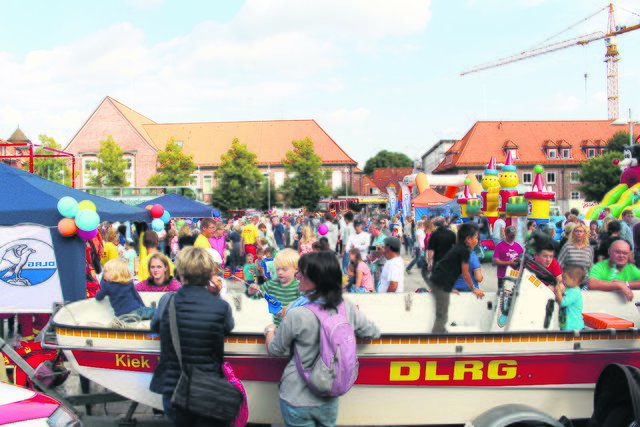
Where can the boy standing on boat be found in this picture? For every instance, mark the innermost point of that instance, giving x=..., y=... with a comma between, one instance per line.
x=447, y=271
x=507, y=254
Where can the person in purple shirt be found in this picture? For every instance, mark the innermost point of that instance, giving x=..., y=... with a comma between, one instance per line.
x=507, y=254
x=218, y=241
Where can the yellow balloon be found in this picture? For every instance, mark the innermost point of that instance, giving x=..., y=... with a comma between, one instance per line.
x=87, y=205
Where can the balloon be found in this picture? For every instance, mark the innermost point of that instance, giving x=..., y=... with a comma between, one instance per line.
x=67, y=227
x=180, y=223
x=88, y=235
x=157, y=211
x=166, y=217
x=157, y=225
x=216, y=214
x=87, y=205
x=323, y=229
x=87, y=220
x=68, y=207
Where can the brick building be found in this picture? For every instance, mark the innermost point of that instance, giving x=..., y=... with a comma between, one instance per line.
x=17, y=137
x=141, y=138
x=559, y=146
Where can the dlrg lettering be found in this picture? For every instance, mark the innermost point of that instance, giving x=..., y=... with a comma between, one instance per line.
x=461, y=370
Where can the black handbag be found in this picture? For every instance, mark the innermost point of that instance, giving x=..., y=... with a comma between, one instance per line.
x=199, y=392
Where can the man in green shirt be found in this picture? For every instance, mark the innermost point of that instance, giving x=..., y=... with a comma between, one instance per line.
x=616, y=273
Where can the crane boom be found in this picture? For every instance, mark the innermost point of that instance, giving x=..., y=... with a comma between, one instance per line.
x=576, y=41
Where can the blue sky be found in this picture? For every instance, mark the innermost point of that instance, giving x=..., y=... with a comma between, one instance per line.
x=374, y=74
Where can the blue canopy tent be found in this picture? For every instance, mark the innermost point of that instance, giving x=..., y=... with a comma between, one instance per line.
x=30, y=199
x=182, y=207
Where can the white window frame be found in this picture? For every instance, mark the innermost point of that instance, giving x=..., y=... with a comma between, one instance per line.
x=514, y=153
x=591, y=153
x=205, y=178
x=192, y=177
x=130, y=173
x=278, y=179
x=552, y=153
x=86, y=175
x=575, y=180
x=575, y=195
x=566, y=153
x=549, y=175
x=336, y=179
x=527, y=177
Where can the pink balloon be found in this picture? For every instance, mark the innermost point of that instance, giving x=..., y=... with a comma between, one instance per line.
x=323, y=229
x=88, y=235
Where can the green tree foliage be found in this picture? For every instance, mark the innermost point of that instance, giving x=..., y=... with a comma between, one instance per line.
x=306, y=182
x=618, y=141
x=52, y=168
x=110, y=167
x=239, y=179
x=387, y=159
x=343, y=191
x=599, y=175
x=174, y=166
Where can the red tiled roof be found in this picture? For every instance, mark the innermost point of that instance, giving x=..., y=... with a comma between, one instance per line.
x=383, y=177
x=487, y=139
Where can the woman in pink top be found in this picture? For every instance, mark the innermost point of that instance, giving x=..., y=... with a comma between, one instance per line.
x=364, y=280
x=160, y=279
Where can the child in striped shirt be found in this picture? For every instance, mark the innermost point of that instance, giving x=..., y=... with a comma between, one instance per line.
x=284, y=287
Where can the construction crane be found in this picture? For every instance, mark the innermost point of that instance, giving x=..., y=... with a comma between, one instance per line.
x=611, y=57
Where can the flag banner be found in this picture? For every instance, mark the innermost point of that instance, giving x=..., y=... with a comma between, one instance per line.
x=406, y=199
x=29, y=281
x=393, y=200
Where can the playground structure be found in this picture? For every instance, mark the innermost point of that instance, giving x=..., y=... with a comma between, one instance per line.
x=622, y=196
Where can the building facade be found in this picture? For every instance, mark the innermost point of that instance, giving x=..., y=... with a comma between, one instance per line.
x=141, y=139
x=559, y=146
x=435, y=155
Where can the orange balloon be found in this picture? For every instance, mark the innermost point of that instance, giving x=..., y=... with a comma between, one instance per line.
x=67, y=227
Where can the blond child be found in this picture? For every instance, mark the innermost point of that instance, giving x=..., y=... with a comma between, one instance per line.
x=118, y=286
x=249, y=270
x=569, y=297
x=284, y=287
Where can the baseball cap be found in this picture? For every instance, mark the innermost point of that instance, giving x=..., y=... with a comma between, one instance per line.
x=510, y=230
x=393, y=243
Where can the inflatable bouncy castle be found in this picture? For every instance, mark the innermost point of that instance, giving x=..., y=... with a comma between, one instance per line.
x=624, y=195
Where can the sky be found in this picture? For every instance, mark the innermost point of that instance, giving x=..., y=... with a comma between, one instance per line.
x=375, y=75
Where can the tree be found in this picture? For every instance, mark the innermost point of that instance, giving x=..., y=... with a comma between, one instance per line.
x=387, y=159
x=239, y=179
x=343, y=191
x=110, y=167
x=599, y=175
x=52, y=168
x=618, y=141
x=174, y=166
x=306, y=183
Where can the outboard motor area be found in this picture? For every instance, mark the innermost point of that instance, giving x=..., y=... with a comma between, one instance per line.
x=527, y=302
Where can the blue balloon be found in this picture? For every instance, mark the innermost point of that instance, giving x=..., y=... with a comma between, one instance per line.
x=166, y=217
x=157, y=225
x=87, y=220
x=68, y=207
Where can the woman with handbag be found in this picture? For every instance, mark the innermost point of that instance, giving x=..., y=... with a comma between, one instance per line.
x=320, y=276
x=192, y=323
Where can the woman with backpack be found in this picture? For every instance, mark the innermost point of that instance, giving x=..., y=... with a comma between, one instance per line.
x=313, y=399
